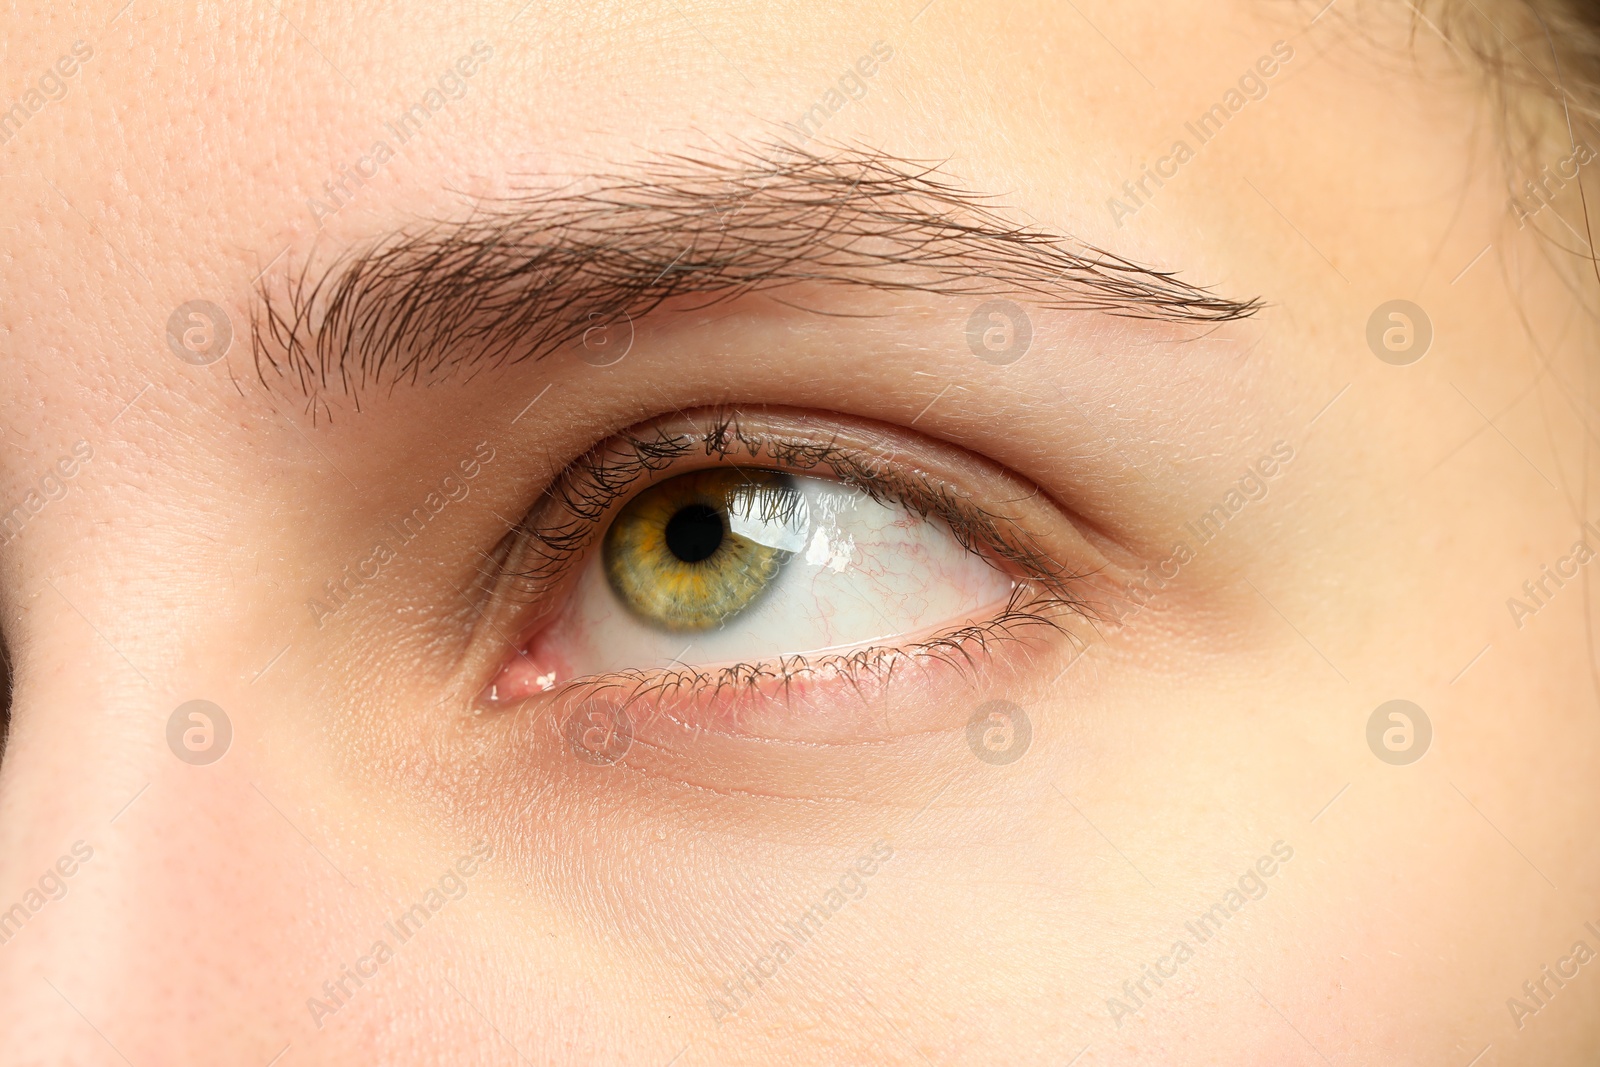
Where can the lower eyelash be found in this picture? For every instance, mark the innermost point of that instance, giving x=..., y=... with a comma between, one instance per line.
x=732, y=688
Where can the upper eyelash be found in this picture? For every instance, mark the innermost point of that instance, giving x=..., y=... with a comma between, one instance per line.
x=566, y=519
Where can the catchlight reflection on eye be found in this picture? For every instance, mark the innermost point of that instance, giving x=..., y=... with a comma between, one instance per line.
x=736, y=565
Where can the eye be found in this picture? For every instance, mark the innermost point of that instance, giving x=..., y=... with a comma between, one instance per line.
x=748, y=556
x=738, y=565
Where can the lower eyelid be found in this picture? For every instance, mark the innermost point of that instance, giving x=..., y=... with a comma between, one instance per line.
x=863, y=695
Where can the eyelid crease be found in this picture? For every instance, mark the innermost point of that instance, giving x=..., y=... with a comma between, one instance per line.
x=566, y=519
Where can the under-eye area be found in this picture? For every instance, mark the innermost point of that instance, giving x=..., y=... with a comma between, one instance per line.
x=764, y=572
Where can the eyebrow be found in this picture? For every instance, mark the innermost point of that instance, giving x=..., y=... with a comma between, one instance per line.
x=521, y=276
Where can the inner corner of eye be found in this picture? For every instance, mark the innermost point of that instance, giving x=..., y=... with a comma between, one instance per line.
x=739, y=565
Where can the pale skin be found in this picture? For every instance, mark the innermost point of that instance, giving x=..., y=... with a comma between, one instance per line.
x=626, y=906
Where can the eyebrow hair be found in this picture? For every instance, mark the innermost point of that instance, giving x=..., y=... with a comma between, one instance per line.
x=523, y=275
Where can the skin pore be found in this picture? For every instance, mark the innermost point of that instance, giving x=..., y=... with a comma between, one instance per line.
x=457, y=251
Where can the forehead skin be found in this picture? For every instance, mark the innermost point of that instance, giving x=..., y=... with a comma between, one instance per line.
x=178, y=166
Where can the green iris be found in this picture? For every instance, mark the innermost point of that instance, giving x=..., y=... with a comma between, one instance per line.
x=696, y=550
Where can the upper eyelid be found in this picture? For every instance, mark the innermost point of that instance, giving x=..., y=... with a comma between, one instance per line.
x=586, y=503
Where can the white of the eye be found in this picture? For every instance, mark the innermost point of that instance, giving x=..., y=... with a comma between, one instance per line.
x=863, y=571
x=825, y=552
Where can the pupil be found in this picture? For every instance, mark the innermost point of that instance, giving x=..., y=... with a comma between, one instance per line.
x=694, y=533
